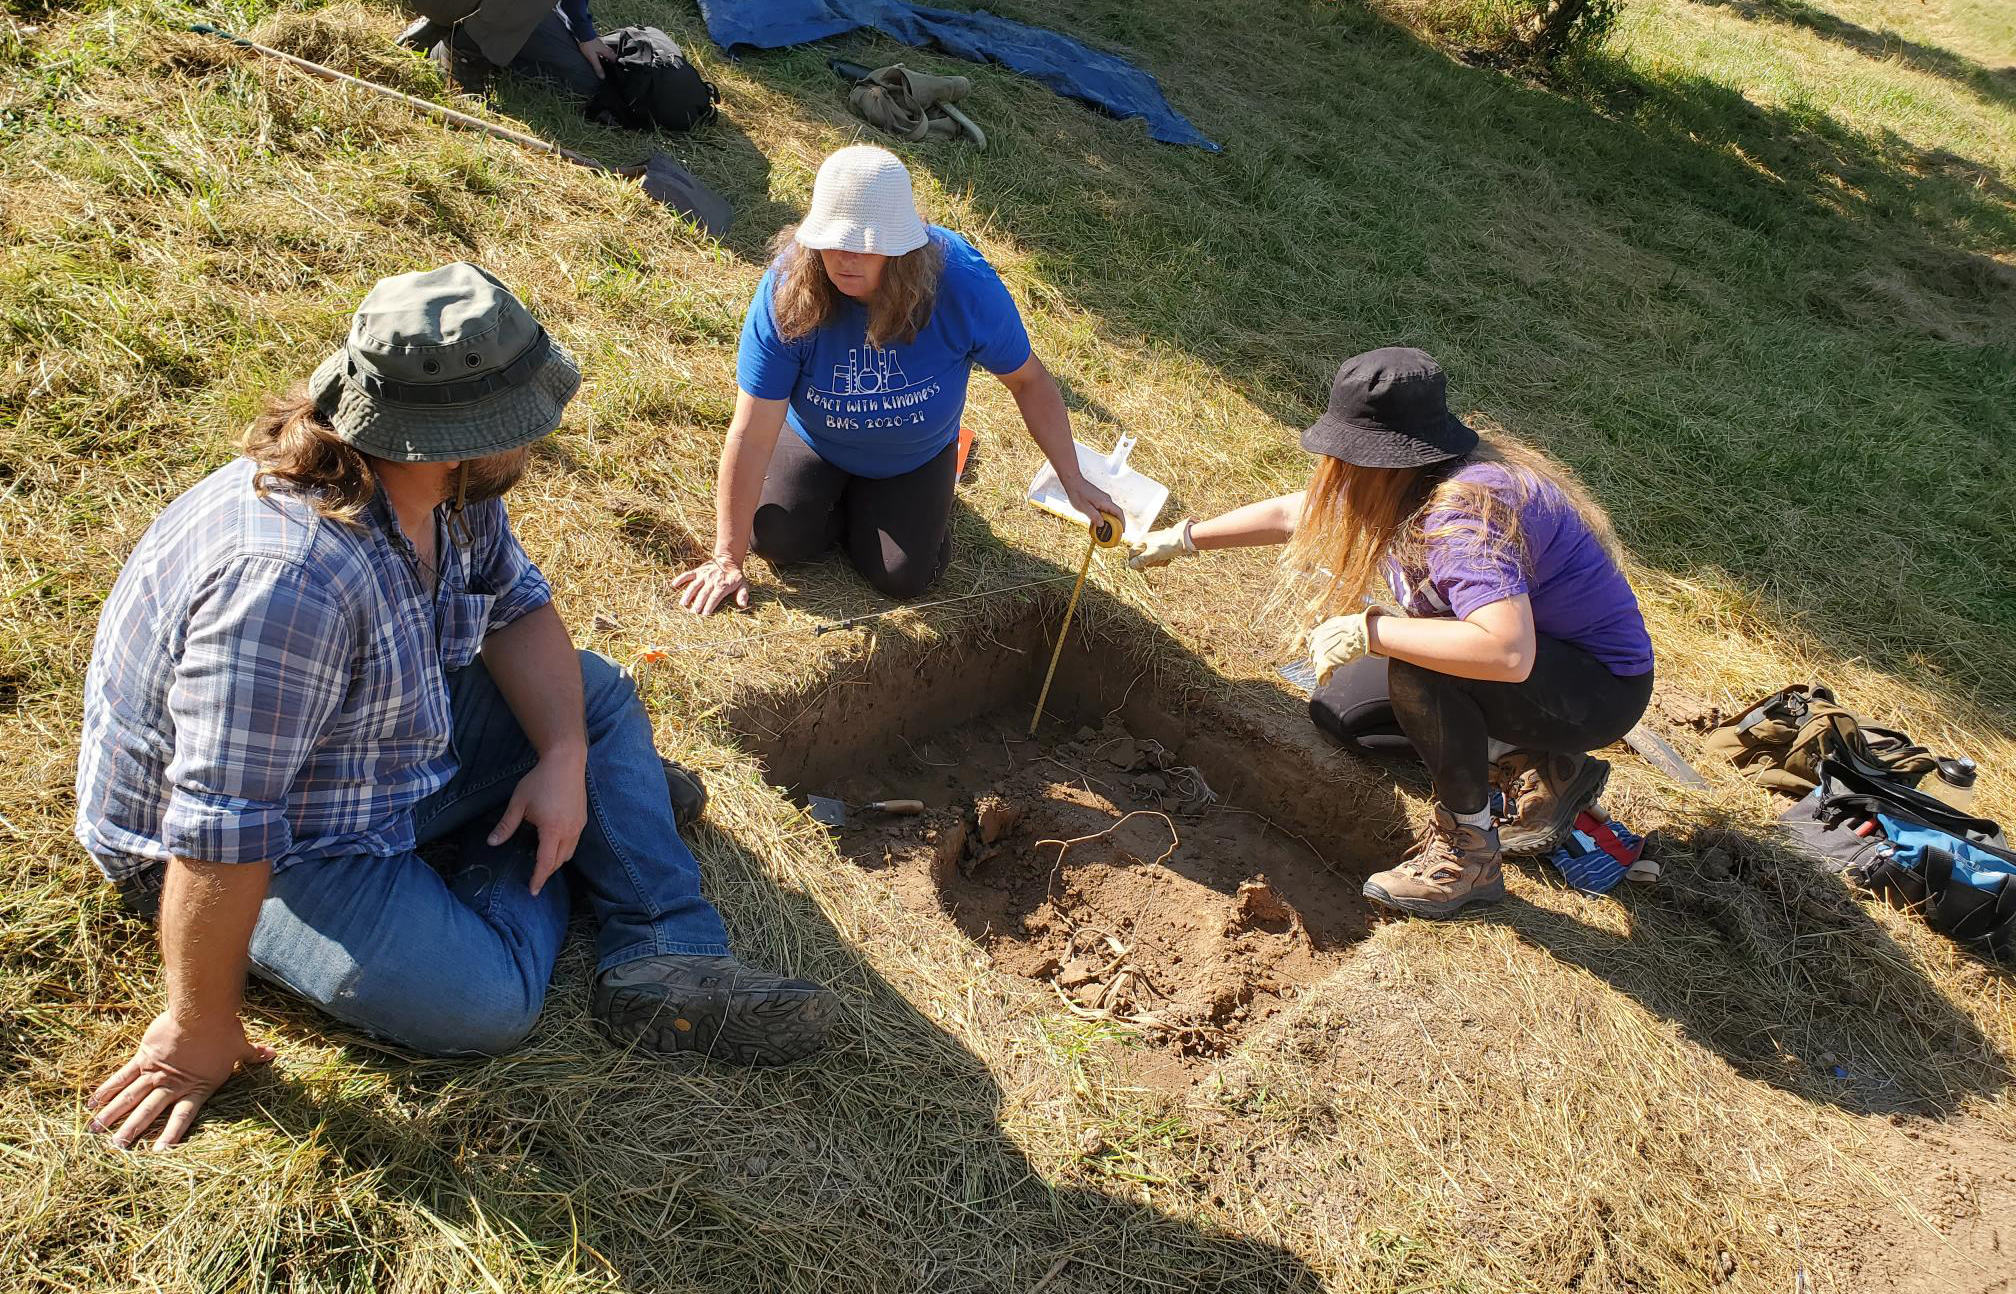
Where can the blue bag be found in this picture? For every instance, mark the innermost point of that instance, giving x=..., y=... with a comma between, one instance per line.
x=1955, y=868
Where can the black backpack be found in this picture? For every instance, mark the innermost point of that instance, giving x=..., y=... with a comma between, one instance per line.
x=651, y=84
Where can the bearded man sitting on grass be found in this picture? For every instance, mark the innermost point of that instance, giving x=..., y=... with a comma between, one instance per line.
x=332, y=651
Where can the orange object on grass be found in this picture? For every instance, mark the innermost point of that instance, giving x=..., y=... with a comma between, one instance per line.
x=965, y=448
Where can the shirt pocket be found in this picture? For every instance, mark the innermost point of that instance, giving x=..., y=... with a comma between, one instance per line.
x=465, y=619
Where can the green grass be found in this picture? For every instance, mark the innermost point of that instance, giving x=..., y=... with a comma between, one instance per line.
x=1751, y=271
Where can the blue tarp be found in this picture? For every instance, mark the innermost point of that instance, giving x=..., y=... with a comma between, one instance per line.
x=1069, y=67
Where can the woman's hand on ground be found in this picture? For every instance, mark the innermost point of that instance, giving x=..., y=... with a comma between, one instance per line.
x=708, y=586
x=599, y=55
x=1162, y=547
x=176, y=1068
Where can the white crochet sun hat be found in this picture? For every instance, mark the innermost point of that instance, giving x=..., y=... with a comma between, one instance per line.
x=862, y=202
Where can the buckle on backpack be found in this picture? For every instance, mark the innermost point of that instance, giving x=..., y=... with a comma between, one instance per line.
x=1792, y=705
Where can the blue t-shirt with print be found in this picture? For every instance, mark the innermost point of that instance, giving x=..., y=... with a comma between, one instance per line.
x=882, y=412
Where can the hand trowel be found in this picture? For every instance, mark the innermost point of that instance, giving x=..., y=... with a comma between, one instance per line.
x=833, y=813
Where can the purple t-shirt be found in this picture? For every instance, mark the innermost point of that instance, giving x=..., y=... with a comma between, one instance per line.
x=1578, y=594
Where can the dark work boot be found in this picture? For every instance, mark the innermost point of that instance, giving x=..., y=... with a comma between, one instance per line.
x=423, y=35
x=462, y=63
x=712, y=1006
x=689, y=793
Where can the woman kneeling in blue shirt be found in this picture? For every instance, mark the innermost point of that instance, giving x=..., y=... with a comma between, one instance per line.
x=860, y=340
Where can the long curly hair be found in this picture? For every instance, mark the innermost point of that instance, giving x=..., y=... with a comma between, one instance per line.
x=804, y=298
x=1355, y=520
x=293, y=445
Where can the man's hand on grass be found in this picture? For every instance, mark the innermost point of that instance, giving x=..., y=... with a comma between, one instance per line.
x=176, y=1068
x=599, y=55
x=553, y=797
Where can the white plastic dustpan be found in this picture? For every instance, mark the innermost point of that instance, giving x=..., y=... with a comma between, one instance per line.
x=1139, y=497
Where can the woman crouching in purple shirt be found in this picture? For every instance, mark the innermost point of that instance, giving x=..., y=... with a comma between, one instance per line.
x=1512, y=644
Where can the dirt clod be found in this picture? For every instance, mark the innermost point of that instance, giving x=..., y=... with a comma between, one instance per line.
x=1684, y=709
x=948, y=850
x=1260, y=906
x=997, y=817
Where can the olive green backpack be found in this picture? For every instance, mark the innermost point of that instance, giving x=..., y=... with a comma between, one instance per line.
x=1779, y=742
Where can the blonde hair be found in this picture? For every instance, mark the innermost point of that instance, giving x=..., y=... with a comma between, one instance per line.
x=1357, y=519
x=292, y=444
x=804, y=298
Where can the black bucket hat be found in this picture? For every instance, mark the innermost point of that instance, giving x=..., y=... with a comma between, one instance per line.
x=1390, y=408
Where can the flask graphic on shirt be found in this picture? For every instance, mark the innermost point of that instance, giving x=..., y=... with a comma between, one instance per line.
x=868, y=371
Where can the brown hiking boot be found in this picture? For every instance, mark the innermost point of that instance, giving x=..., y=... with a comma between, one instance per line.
x=1452, y=866
x=1543, y=793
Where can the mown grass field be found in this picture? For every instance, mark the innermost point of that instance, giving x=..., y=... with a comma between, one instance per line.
x=1752, y=272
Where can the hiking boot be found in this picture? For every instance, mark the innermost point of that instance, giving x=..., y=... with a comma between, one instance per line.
x=1543, y=793
x=712, y=1006
x=463, y=64
x=688, y=792
x=423, y=35
x=1451, y=866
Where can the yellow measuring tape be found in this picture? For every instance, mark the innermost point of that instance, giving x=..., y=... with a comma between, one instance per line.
x=1105, y=534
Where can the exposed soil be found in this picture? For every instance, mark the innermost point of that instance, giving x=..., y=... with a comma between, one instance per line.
x=1104, y=866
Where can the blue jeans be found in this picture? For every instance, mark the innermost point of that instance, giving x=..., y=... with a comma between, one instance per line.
x=458, y=964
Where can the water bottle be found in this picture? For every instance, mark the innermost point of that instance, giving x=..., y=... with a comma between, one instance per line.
x=1953, y=782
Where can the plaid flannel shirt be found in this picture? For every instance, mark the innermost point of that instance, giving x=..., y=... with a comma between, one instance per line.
x=270, y=685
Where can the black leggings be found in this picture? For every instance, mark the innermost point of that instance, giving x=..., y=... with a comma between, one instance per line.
x=897, y=529
x=1570, y=703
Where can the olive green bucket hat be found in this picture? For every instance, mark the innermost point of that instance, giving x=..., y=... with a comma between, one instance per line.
x=443, y=365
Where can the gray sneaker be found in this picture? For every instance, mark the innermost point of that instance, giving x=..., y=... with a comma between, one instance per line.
x=423, y=35
x=712, y=1006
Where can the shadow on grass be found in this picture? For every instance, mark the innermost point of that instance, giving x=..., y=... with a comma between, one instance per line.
x=883, y=1165
x=720, y=154
x=1779, y=971
x=1773, y=965
x=1997, y=85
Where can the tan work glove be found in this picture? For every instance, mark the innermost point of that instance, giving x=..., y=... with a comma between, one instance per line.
x=1343, y=639
x=1161, y=547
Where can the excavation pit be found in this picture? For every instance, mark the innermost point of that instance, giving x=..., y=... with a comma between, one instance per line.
x=1155, y=856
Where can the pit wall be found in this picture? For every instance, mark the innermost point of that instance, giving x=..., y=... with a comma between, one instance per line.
x=1258, y=754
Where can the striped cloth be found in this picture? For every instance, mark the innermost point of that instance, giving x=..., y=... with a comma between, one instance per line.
x=267, y=684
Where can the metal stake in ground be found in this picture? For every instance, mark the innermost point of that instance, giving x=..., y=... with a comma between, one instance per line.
x=1105, y=534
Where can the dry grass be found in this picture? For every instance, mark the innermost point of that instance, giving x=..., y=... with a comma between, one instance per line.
x=1775, y=332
